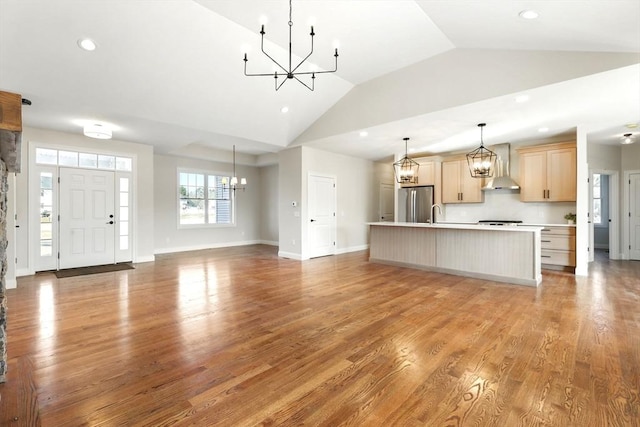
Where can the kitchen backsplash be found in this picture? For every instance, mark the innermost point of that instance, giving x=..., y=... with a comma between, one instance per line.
x=503, y=205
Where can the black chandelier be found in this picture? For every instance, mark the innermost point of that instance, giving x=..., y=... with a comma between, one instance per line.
x=406, y=169
x=481, y=161
x=291, y=72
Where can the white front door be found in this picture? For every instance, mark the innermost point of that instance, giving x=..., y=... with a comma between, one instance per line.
x=322, y=216
x=386, y=202
x=634, y=216
x=87, y=230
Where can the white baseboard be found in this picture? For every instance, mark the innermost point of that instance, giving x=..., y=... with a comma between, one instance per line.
x=352, y=249
x=24, y=272
x=206, y=246
x=147, y=258
x=11, y=284
x=290, y=255
x=269, y=242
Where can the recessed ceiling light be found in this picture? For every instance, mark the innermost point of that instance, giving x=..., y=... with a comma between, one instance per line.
x=543, y=129
x=284, y=110
x=98, y=131
x=631, y=125
x=522, y=98
x=364, y=133
x=528, y=14
x=87, y=44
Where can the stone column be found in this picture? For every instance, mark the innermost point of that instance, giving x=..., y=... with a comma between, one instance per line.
x=3, y=270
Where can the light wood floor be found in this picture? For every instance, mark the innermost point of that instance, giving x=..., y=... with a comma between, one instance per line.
x=239, y=337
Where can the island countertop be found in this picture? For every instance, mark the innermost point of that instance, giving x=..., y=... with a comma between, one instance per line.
x=461, y=226
x=509, y=254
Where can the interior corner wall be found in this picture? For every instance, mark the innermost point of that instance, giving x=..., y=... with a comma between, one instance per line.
x=169, y=237
x=290, y=190
x=268, y=199
x=143, y=204
x=582, y=203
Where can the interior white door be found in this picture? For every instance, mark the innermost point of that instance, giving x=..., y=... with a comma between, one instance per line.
x=87, y=230
x=592, y=250
x=386, y=202
x=634, y=216
x=322, y=216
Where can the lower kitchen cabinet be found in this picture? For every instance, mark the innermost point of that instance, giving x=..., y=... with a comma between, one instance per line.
x=558, y=247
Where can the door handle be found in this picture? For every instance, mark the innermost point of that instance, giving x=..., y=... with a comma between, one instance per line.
x=110, y=222
x=313, y=220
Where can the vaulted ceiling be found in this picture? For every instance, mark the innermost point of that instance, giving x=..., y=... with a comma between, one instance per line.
x=170, y=73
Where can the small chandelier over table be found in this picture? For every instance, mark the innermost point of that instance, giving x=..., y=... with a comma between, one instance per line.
x=290, y=72
x=233, y=183
x=406, y=169
x=482, y=161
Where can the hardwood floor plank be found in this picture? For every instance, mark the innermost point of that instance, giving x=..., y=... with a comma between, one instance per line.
x=240, y=337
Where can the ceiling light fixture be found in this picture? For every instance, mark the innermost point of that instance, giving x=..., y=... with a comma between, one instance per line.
x=98, y=131
x=284, y=110
x=87, y=44
x=481, y=161
x=364, y=133
x=290, y=72
x=233, y=184
x=627, y=138
x=543, y=129
x=528, y=14
x=406, y=169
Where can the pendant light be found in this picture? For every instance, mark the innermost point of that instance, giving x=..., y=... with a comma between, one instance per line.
x=627, y=138
x=233, y=184
x=482, y=161
x=406, y=169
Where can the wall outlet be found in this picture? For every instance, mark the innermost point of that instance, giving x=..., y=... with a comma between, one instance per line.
x=293, y=242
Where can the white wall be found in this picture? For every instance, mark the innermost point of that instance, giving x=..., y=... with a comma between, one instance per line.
x=169, y=238
x=269, y=211
x=290, y=190
x=143, y=215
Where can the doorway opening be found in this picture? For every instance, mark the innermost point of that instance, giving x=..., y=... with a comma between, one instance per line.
x=603, y=213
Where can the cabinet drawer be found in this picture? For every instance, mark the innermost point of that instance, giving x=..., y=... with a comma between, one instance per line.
x=566, y=243
x=566, y=258
x=561, y=231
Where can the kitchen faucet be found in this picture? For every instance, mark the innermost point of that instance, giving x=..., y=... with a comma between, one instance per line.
x=433, y=212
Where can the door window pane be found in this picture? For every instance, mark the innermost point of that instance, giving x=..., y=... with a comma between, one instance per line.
x=123, y=164
x=88, y=160
x=106, y=162
x=47, y=157
x=68, y=158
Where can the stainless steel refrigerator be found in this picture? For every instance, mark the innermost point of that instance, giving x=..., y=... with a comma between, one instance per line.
x=414, y=204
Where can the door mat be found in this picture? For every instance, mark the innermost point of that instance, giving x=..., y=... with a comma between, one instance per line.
x=82, y=271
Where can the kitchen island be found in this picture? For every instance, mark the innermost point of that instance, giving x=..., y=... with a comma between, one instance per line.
x=506, y=254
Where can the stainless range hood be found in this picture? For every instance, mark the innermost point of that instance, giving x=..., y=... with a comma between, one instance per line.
x=502, y=180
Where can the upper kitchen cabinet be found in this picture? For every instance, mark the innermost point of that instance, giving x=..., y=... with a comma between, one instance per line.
x=548, y=173
x=458, y=186
x=426, y=173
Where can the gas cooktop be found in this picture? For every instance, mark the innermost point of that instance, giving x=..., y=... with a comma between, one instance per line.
x=499, y=222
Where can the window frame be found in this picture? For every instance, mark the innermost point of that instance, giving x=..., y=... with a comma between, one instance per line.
x=206, y=174
x=594, y=198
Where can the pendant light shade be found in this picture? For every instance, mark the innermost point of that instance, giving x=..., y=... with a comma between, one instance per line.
x=482, y=161
x=406, y=169
x=627, y=138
